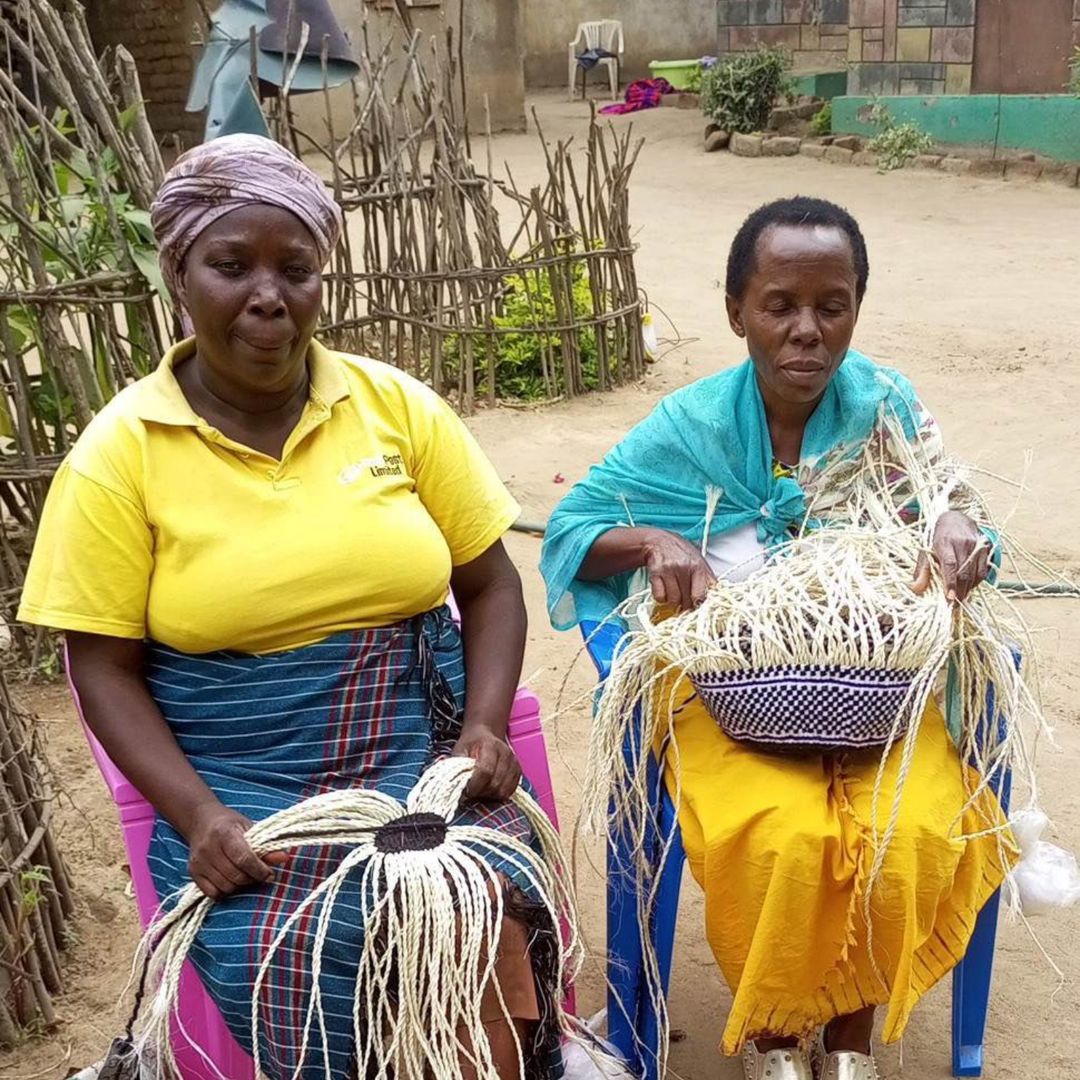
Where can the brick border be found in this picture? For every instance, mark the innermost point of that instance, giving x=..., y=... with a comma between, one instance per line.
x=851, y=150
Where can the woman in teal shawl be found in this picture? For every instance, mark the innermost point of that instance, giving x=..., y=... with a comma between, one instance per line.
x=718, y=474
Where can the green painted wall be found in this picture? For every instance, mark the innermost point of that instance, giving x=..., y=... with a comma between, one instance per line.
x=822, y=84
x=1044, y=124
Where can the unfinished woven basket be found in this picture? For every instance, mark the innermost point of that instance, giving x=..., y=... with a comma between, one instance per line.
x=809, y=706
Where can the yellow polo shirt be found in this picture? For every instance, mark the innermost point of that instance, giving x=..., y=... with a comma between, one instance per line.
x=157, y=525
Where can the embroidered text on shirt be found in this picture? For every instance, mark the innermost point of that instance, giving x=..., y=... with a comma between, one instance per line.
x=381, y=465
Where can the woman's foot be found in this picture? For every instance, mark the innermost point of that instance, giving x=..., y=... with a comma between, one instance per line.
x=843, y=1049
x=843, y=1064
x=783, y=1063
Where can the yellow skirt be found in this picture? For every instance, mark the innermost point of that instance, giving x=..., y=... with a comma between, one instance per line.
x=782, y=847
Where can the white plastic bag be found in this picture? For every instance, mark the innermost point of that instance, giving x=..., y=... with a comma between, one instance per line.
x=648, y=337
x=1046, y=877
x=579, y=1064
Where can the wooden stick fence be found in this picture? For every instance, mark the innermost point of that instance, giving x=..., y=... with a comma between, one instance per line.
x=440, y=267
x=445, y=270
x=78, y=320
x=36, y=899
x=78, y=314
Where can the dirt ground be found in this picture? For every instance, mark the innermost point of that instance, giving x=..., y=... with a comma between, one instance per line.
x=973, y=293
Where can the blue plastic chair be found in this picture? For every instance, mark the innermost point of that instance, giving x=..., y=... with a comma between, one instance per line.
x=633, y=1025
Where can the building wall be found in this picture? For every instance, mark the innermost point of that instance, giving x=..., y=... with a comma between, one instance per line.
x=919, y=47
x=664, y=30
x=815, y=32
x=911, y=46
x=495, y=62
x=159, y=36
x=1024, y=49
x=992, y=124
x=494, y=50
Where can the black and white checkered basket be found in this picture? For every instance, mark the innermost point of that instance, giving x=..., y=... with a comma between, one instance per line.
x=796, y=706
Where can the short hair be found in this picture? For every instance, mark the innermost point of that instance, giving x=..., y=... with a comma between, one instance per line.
x=801, y=210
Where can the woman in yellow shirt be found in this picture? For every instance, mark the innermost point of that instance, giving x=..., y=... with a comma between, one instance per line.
x=250, y=551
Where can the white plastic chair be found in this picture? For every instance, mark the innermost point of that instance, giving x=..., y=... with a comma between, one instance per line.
x=601, y=34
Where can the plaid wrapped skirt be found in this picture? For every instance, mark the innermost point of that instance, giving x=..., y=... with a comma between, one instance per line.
x=367, y=708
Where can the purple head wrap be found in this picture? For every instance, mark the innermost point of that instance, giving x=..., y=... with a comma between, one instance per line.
x=225, y=174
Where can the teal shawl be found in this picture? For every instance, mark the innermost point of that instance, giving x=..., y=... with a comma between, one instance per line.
x=707, y=447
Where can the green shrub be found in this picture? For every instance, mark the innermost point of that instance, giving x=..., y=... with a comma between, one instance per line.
x=80, y=224
x=528, y=302
x=739, y=91
x=896, y=144
x=821, y=122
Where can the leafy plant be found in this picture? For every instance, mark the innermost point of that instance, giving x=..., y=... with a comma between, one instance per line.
x=821, y=121
x=31, y=893
x=85, y=227
x=50, y=669
x=896, y=144
x=522, y=355
x=78, y=230
x=1073, y=85
x=693, y=81
x=739, y=91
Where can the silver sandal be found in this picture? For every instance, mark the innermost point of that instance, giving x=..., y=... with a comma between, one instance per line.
x=788, y=1063
x=843, y=1064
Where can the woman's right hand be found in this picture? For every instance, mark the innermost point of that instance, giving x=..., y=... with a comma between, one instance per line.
x=678, y=572
x=108, y=673
x=221, y=860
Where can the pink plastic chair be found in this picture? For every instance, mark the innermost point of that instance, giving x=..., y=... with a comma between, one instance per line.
x=209, y=1052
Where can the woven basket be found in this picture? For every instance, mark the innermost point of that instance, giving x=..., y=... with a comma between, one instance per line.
x=799, y=707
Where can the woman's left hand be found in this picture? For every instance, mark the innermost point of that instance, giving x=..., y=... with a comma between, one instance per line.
x=497, y=773
x=962, y=552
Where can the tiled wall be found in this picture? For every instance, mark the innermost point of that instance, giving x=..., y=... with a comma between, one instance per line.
x=911, y=46
x=892, y=46
x=815, y=32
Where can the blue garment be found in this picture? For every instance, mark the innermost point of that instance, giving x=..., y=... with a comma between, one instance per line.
x=708, y=443
x=591, y=57
x=366, y=708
